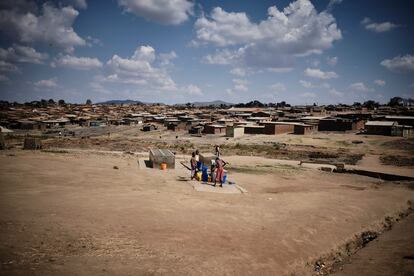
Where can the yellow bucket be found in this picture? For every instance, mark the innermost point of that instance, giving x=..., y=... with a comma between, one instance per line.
x=163, y=166
x=198, y=176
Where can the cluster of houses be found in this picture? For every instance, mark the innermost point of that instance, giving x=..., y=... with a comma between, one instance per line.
x=232, y=122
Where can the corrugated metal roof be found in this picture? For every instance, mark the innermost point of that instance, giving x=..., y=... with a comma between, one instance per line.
x=313, y=117
x=392, y=117
x=380, y=123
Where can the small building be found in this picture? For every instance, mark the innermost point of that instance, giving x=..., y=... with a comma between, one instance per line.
x=253, y=129
x=180, y=126
x=303, y=129
x=401, y=120
x=28, y=125
x=56, y=123
x=215, y=129
x=168, y=121
x=380, y=127
x=159, y=156
x=197, y=130
x=272, y=128
x=339, y=124
x=149, y=127
x=258, y=120
x=403, y=131
x=226, y=122
x=232, y=131
x=96, y=123
x=261, y=114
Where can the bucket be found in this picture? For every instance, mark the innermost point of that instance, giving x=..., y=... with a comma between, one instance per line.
x=198, y=176
x=163, y=166
x=224, y=177
x=204, y=174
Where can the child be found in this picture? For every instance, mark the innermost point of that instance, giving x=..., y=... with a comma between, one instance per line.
x=219, y=171
x=193, y=164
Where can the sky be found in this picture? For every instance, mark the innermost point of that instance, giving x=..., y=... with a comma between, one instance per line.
x=179, y=51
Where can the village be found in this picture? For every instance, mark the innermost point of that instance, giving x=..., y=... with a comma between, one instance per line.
x=212, y=138
x=336, y=177
x=231, y=122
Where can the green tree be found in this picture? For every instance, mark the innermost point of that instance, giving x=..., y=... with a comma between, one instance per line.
x=396, y=101
x=370, y=104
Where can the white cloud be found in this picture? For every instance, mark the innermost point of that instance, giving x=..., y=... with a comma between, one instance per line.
x=336, y=93
x=240, y=72
x=48, y=84
x=280, y=69
x=98, y=87
x=378, y=27
x=223, y=57
x=93, y=41
x=52, y=26
x=81, y=4
x=359, y=86
x=399, y=63
x=308, y=84
x=308, y=95
x=165, y=59
x=192, y=90
x=332, y=61
x=297, y=31
x=18, y=53
x=8, y=67
x=379, y=82
x=277, y=87
x=240, y=85
x=144, y=69
x=79, y=63
x=318, y=74
x=169, y=12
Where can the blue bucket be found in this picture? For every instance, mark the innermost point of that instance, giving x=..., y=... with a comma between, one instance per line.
x=204, y=174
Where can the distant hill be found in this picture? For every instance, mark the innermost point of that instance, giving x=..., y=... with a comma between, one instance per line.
x=213, y=103
x=121, y=102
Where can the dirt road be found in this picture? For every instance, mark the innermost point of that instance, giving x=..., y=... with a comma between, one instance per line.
x=74, y=214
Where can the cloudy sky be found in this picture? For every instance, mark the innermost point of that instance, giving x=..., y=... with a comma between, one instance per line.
x=176, y=51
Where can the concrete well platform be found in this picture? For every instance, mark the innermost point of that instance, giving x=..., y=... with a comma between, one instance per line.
x=208, y=187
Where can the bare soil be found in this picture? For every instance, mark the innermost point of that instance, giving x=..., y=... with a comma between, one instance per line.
x=390, y=254
x=72, y=213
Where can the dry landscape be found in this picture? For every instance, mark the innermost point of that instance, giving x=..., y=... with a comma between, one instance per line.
x=89, y=206
x=212, y=138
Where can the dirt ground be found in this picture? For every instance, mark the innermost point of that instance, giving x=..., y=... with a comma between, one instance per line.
x=391, y=254
x=344, y=147
x=72, y=213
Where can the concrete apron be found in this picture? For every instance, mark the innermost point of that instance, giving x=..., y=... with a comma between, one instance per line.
x=208, y=187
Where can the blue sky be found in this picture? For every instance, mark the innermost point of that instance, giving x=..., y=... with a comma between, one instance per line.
x=176, y=51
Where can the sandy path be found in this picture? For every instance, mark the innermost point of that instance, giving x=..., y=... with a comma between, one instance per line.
x=373, y=163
